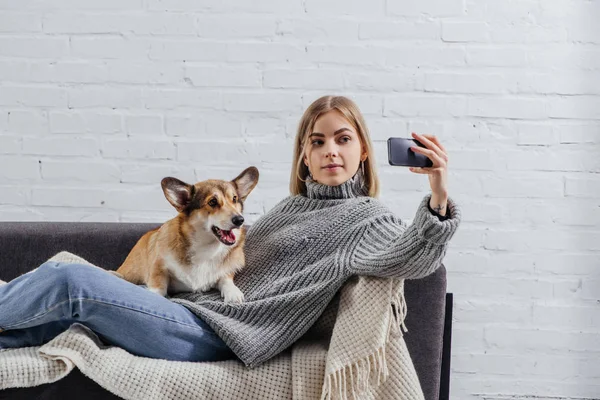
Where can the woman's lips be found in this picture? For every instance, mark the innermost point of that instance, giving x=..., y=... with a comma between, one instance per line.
x=333, y=168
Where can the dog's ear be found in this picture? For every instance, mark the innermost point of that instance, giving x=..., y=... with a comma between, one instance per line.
x=178, y=193
x=246, y=181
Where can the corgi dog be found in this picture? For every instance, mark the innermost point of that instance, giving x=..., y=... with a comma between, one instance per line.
x=200, y=248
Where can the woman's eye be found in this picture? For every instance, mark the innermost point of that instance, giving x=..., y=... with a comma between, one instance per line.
x=317, y=142
x=213, y=202
x=345, y=139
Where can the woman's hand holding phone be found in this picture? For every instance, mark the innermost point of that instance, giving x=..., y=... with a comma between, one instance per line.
x=437, y=171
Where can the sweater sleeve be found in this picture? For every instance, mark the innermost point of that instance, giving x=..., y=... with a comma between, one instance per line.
x=388, y=248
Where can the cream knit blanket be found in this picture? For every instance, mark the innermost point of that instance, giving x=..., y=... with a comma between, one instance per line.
x=355, y=350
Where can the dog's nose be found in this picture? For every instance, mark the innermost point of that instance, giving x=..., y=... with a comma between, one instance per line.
x=238, y=220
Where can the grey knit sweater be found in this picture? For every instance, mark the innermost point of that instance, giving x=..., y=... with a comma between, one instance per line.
x=300, y=253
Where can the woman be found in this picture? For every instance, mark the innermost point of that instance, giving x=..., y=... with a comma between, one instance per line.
x=298, y=255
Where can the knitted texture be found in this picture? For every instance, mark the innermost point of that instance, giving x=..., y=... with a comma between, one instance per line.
x=354, y=350
x=299, y=254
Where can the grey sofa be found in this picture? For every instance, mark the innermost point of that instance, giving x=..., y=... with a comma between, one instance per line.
x=26, y=245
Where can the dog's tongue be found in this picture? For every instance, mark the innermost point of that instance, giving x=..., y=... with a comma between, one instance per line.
x=228, y=236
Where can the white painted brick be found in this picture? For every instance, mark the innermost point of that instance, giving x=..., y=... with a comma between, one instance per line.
x=511, y=240
x=495, y=287
x=464, y=31
x=80, y=171
x=68, y=72
x=82, y=121
x=137, y=23
x=527, y=33
x=236, y=27
x=105, y=97
x=33, y=47
x=434, y=8
x=563, y=57
x=125, y=5
x=219, y=76
x=229, y=6
x=341, y=7
x=185, y=125
x=258, y=127
x=511, y=108
x=317, y=29
x=431, y=56
x=588, y=187
x=380, y=81
x=30, y=96
x=536, y=134
x=14, y=70
x=494, y=56
x=10, y=144
x=134, y=148
x=169, y=99
x=581, y=83
x=158, y=217
x=569, y=263
x=262, y=52
x=543, y=159
x=542, y=339
x=217, y=153
x=149, y=173
x=427, y=30
x=110, y=47
x=20, y=213
x=418, y=105
x=28, y=122
x=261, y=102
x=144, y=73
x=61, y=146
x=18, y=22
x=585, y=132
x=144, y=125
x=187, y=50
x=564, y=315
x=222, y=126
x=15, y=195
x=317, y=79
x=519, y=186
x=72, y=196
x=464, y=83
x=345, y=54
x=576, y=107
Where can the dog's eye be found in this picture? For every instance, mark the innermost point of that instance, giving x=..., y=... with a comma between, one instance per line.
x=213, y=203
x=235, y=199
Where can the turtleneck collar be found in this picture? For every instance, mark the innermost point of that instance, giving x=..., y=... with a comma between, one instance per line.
x=353, y=187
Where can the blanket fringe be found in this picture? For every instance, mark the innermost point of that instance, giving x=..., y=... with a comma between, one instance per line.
x=371, y=370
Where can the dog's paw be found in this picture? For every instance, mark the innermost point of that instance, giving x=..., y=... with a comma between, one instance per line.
x=231, y=294
x=2, y=283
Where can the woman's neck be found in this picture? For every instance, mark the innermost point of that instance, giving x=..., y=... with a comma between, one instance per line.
x=353, y=187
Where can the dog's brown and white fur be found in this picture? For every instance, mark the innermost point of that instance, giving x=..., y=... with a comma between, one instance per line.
x=202, y=247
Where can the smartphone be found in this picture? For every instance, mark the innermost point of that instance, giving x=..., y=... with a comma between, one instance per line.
x=399, y=153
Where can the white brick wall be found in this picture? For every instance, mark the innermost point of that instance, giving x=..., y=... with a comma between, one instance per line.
x=101, y=99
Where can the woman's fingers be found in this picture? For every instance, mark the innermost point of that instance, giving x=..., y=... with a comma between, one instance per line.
x=432, y=143
x=432, y=155
x=425, y=171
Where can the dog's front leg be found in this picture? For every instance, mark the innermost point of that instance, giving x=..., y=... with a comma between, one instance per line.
x=229, y=291
x=158, y=282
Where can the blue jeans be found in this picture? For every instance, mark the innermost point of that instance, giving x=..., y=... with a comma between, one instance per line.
x=36, y=307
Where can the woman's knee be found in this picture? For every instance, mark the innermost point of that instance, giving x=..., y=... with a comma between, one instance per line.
x=67, y=276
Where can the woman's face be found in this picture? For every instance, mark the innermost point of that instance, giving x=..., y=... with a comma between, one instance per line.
x=334, y=151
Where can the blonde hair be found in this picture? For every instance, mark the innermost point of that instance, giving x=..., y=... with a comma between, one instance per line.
x=350, y=111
